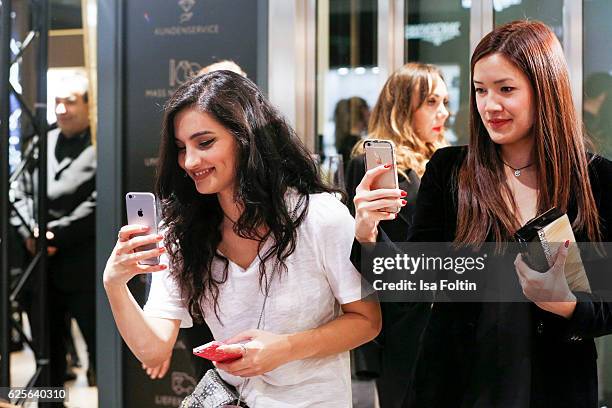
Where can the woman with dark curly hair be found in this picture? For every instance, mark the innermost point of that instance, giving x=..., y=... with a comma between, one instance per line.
x=246, y=218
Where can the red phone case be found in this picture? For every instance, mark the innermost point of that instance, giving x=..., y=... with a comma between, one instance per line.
x=210, y=352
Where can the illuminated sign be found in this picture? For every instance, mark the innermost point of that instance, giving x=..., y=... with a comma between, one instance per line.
x=435, y=33
x=498, y=5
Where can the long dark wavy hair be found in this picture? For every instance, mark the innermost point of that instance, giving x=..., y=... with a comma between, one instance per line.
x=560, y=145
x=270, y=160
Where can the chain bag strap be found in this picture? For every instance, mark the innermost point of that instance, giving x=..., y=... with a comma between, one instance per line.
x=267, y=292
x=212, y=391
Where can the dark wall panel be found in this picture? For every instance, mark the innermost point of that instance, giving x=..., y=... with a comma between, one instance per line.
x=166, y=43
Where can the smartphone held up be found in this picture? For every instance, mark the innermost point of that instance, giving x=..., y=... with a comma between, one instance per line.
x=378, y=153
x=142, y=210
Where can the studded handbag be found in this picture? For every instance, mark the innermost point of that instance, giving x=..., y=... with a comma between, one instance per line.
x=212, y=392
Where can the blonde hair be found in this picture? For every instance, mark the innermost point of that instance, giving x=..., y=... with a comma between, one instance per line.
x=391, y=118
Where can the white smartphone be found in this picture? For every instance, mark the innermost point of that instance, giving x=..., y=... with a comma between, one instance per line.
x=142, y=210
x=377, y=153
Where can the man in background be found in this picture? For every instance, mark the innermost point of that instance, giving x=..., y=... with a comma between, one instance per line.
x=223, y=65
x=71, y=203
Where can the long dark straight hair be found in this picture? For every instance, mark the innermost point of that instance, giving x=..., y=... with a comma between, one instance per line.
x=560, y=146
x=270, y=160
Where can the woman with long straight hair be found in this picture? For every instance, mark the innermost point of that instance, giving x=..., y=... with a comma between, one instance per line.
x=527, y=153
x=248, y=229
x=411, y=111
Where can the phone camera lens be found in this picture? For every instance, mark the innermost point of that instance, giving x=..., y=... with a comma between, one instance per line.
x=130, y=196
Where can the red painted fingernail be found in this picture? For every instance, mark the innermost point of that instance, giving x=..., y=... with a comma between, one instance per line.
x=404, y=202
x=403, y=194
x=387, y=166
x=567, y=243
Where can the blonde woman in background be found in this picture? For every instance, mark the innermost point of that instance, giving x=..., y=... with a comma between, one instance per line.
x=411, y=111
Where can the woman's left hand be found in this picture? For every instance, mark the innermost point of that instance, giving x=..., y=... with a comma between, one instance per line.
x=159, y=371
x=262, y=352
x=548, y=290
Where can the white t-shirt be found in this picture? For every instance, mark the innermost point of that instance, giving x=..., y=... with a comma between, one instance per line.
x=319, y=279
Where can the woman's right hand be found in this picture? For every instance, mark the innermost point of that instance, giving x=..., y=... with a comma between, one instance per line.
x=122, y=265
x=368, y=205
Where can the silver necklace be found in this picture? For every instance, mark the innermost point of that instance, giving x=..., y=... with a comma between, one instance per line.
x=517, y=172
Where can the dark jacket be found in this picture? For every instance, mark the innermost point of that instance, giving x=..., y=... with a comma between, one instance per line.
x=71, y=192
x=395, y=229
x=504, y=354
x=392, y=357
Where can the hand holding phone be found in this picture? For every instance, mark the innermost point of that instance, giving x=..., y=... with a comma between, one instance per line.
x=377, y=153
x=142, y=210
x=210, y=351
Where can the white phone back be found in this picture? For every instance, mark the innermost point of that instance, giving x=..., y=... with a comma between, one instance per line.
x=142, y=210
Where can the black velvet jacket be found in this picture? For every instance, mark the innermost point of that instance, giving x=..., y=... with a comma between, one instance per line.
x=392, y=358
x=503, y=354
